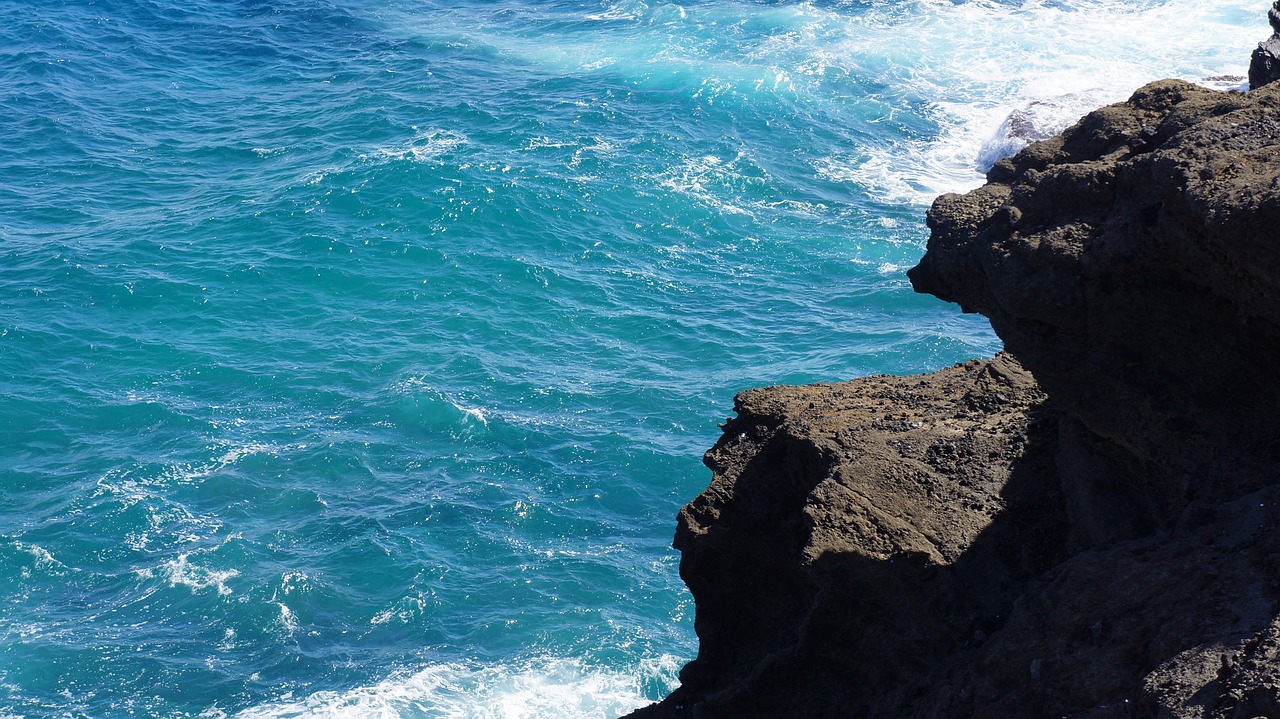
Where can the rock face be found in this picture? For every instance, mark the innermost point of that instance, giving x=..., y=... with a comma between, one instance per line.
x=1088, y=530
x=1133, y=264
x=1264, y=66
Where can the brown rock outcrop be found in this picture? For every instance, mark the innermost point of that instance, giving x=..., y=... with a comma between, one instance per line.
x=837, y=547
x=1097, y=541
x=1133, y=264
x=1264, y=65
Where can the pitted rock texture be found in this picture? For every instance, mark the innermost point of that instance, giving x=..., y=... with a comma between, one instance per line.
x=1133, y=265
x=1096, y=535
x=856, y=533
x=1264, y=65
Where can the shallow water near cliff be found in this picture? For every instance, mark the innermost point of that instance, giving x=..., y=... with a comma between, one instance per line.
x=356, y=356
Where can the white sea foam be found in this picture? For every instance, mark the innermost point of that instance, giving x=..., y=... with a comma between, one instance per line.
x=1037, y=120
x=965, y=65
x=976, y=62
x=419, y=388
x=42, y=555
x=425, y=146
x=181, y=572
x=706, y=177
x=230, y=455
x=559, y=688
x=406, y=609
x=163, y=520
x=288, y=620
x=599, y=146
x=43, y=559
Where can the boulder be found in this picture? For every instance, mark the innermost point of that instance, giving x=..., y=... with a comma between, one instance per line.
x=1264, y=65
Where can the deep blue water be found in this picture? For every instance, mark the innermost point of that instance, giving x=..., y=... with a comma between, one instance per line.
x=356, y=356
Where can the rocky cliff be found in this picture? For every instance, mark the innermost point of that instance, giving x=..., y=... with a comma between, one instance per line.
x=1084, y=526
x=1264, y=65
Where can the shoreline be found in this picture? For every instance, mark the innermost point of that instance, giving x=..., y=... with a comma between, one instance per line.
x=1089, y=536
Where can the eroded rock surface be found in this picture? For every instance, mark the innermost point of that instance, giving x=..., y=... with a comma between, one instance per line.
x=1264, y=65
x=1092, y=536
x=1133, y=265
x=834, y=555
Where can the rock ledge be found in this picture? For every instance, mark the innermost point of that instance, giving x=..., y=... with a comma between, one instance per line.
x=1082, y=527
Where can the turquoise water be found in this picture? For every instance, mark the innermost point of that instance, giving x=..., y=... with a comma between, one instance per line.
x=356, y=356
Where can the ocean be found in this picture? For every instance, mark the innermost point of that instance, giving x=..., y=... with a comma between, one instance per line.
x=357, y=355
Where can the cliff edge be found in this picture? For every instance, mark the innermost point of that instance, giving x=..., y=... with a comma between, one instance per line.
x=1083, y=526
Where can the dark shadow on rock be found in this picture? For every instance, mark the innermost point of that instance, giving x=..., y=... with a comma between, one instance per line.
x=791, y=625
x=1264, y=65
x=811, y=603
x=958, y=545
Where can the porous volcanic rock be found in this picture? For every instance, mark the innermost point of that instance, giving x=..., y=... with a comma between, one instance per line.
x=1264, y=66
x=1133, y=265
x=834, y=555
x=1088, y=530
